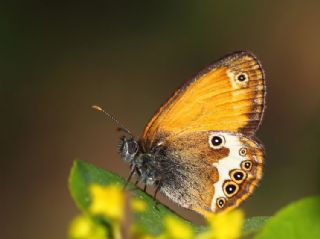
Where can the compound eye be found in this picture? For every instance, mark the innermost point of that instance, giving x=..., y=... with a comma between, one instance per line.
x=238, y=176
x=221, y=202
x=230, y=188
x=216, y=141
x=246, y=165
x=132, y=147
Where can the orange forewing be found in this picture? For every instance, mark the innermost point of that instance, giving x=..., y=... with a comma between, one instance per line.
x=214, y=101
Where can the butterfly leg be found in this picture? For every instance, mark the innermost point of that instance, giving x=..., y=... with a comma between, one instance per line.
x=129, y=177
x=137, y=181
x=155, y=196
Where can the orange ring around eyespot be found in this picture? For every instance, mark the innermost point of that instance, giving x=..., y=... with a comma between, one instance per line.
x=242, y=152
x=221, y=199
x=230, y=183
x=246, y=168
x=232, y=175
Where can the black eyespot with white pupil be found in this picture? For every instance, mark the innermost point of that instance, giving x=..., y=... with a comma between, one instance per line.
x=238, y=176
x=221, y=202
x=230, y=188
x=216, y=141
x=246, y=165
x=241, y=77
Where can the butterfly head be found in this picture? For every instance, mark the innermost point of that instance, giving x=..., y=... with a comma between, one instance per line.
x=146, y=168
x=128, y=148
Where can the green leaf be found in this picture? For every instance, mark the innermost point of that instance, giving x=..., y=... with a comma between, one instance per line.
x=298, y=220
x=84, y=174
x=253, y=225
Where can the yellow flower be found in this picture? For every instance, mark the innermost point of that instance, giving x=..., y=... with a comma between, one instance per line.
x=107, y=201
x=177, y=229
x=138, y=205
x=224, y=225
x=82, y=227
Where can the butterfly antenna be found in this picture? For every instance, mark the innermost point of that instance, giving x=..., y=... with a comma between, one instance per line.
x=110, y=116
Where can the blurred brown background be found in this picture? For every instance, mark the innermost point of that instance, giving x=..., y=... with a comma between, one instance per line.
x=57, y=59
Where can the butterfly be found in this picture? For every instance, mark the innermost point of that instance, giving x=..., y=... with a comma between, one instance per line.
x=200, y=148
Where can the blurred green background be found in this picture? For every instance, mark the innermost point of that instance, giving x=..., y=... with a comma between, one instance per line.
x=59, y=58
